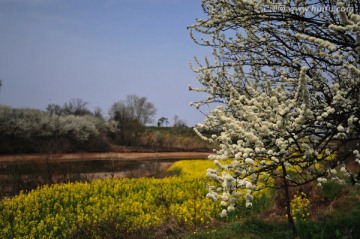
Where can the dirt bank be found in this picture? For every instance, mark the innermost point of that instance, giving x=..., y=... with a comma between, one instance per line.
x=104, y=156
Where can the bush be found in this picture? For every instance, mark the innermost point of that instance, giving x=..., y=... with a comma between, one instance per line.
x=33, y=131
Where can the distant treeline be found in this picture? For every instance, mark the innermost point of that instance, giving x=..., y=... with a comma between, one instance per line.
x=36, y=131
x=72, y=127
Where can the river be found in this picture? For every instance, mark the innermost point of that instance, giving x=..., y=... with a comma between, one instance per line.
x=26, y=172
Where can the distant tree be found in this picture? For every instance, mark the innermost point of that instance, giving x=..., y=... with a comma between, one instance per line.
x=76, y=107
x=54, y=109
x=135, y=108
x=162, y=121
x=140, y=109
x=131, y=116
x=179, y=123
x=98, y=112
x=72, y=107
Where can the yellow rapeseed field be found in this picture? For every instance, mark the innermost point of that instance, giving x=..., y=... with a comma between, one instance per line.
x=57, y=211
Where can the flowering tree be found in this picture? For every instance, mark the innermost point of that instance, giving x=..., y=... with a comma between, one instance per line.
x=33, y=125
x=285, y=79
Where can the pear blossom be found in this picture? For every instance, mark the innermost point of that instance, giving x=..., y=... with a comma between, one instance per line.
x=286, y=96
x=249, y=161
x=223, y=213
x=223, y=203
x=231, y=208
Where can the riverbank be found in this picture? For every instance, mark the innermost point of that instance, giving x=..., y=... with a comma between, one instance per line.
x=81, y=157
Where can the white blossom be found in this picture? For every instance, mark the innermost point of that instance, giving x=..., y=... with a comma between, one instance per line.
x=249, y=161
x=280, y=104
x=231, y=208
x=223, y=213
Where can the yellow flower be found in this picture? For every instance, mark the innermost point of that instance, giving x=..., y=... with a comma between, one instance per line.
x=56, y=211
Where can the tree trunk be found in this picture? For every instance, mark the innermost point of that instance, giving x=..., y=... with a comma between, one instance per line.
x=287, y=201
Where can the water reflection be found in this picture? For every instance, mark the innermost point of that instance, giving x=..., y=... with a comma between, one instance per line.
x=20, y=175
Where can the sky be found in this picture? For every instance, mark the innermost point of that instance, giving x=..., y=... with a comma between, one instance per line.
x=52, y=51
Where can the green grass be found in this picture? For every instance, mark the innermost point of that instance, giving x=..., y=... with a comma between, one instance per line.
x=331, y=189
x=246, y=229
x=334, y=227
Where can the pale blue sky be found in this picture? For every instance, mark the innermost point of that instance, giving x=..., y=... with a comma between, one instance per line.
x=52, y=51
